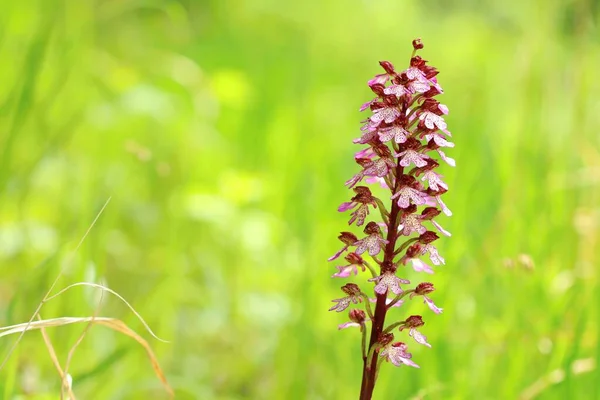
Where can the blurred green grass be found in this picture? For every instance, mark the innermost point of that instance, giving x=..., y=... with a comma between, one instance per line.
x=222, y=130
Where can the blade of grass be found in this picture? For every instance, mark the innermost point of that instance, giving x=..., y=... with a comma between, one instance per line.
x=79, y=340
x=63, y=374
x=104, y=288
x=60, y=274
x=112, y=323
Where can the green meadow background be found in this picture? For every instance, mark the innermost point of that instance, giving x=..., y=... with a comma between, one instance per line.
x=221, y=132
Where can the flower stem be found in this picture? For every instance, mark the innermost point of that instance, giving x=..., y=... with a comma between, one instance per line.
x=370, y=363
x=399, y=297
x=367, y=305
x=363, y=330
x=373, y=272
x=393, y=326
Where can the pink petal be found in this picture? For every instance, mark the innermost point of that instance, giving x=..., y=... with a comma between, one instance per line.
x=449, y=161
x=380, y=78
x=377, y=179
x=439, y=228
x=336, y=255
x=432, y=306
x=420, y=266
x=347, y=206
x=419, y=337
x=348, y=325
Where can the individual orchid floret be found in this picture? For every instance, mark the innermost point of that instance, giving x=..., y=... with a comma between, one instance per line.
x=411, y=155
x=432, y=120
x=379, y=167
x=412, y=323
x=373, y=243
x=388, y=281
x=395, y=132
x=348, y=238
x=430, y=115
x=412, y=255
x=428, y=214
x=417, y=81
x=396, y=90
x=423, y=289
x=369, y=134
x=397, y=355
x=357, y=319
x=433, y=179
x=354, y=296
x=408, y=192
x=363, y=199
x=435, y=196
x=387, y=113
x=354, y=262
x=426, y=239
x=383, y=78
x=411, y=222
x=435, y=140
x=434, y=256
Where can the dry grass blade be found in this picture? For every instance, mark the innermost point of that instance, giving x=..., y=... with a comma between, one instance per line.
x=111, y=323
x=104, y=288
x=120, y=326
x=66, y=383
x=63, y=374
x=60, y=274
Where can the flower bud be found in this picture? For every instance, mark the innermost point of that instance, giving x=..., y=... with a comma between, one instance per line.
x=372, y=228
x=414, y=321
x=357, y=315
x=424, y=288
x=347, y=238
x=417, y=45
x=429, y=213
x=351, y=289
x=414, y=251
x=389, y=68
x=378, y=89
x=354, y=259
x=385, y=338
x=428, y=237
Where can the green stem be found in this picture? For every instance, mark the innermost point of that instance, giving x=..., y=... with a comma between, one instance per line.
x=384, y=212
x=393, y=326
x=399, y=297
x=376, y=346
x=373, y=272
x=379, y=361
x=367, y=305
x=405, y=245
x=363, y=329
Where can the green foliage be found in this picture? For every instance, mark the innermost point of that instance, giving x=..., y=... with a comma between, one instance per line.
x=222, y=130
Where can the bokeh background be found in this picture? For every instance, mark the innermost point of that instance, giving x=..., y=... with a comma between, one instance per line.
x=222, y=132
